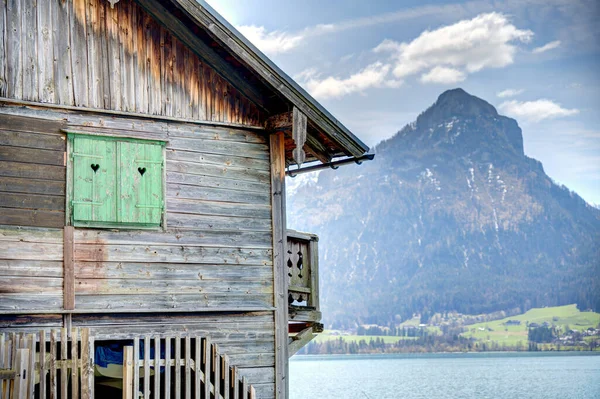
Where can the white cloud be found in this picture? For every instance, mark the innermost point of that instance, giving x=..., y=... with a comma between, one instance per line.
x=271, y=42
x=509, y=93
x=443, y=75
x=486, y=41
x=375, y=75
x=546, y=47
x=535, y=111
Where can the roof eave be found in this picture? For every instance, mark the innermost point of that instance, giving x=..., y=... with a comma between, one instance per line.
x=214, y=23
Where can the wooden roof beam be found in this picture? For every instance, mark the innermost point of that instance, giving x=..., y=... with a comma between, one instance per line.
x=204, y=51
x=284, y=122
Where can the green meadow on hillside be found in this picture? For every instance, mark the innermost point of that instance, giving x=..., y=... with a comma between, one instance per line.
x=561, y=316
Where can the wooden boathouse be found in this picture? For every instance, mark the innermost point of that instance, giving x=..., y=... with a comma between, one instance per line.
x=143, y=241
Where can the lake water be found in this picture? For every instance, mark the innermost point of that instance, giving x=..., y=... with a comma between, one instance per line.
x=478, y=375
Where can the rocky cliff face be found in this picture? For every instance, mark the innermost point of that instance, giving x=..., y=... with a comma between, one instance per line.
x=451, y=215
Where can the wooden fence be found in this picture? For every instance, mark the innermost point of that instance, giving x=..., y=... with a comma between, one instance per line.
x=48, y=363
x=59, y=365
x=182, y=367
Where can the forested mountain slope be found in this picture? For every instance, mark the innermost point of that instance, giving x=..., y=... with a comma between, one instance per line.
x=451, y=215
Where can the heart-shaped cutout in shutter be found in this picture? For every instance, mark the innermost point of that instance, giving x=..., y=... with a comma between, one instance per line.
x=95, y=167
x=142, y=171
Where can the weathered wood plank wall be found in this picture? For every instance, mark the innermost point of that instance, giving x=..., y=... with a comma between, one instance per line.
x=216, y=250
x=85, y=53
x=215, y=254
x=32, y=172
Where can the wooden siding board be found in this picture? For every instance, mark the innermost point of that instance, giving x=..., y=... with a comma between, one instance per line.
x=30, y=186
x=235, y=239
x=93, y=54
x=29, y=48
x=3, y=55
x=163, y=273
x=14, y=62
x=179, y=302
x=32, y=201
x=113, y=56
x=29, y=268
x=32, y=155
x=32, y=171
x=164, y=253
x=54, y=142
x=79, y=53
x=214, y=170
x=26, y=217
x=46, y=89
x=213, y=194
x=63, y=76
x=217, y=208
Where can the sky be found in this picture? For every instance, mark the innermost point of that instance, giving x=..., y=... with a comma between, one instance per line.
x=377, y=64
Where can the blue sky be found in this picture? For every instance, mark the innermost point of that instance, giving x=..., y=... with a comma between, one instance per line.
x=376, y=65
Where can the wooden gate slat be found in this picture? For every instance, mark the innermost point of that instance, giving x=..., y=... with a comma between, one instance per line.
x=207, y=356
x=136, y=367
x=2, y=352
x=74, y=364
x=21, y=365
x=31, y=376
x=198, y=362
x=147, y=367
x=178, y=367
x=85, y=361
x=127, y=372
x=43, y=368
x=64, y=369
x=157, y=357
x=217, y=368
x=53, y=382
x=167, y=367
x=188, y=363
x=226, y=377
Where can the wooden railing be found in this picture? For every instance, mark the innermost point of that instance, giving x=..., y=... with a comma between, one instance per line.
x=60, y=364
x=47, y=363
x=302, y=260
x=188, y=367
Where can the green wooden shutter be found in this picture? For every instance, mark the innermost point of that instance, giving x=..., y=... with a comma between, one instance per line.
x=94, y=180
x=141, y=183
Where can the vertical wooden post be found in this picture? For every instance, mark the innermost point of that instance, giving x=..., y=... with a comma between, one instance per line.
x=86, y=369
x=146, y=367
x=75, y=365
x=217, y=367
x=167, y=367
x=68, y=270
x=128, y=372
x=314, y=273
x=64, y=369
x=207, y=355
x=136, y=366
x=188, y=364
x=31, y=366
x=53, y=356
x=22, y=369
x=198, y=363
x=279, y=243
x=157, y=366
x=178, y=367
x=43, y=367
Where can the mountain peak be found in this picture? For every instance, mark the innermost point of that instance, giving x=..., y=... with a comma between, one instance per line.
x=456, y=103
x=463, y=122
